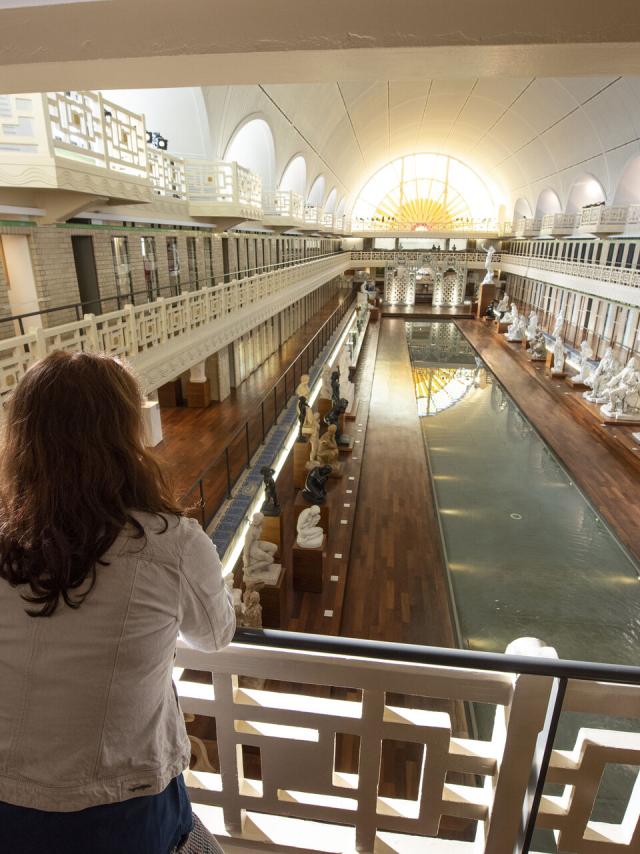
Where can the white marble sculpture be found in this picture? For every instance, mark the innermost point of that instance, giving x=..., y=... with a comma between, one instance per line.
x=488, y=278
x=607, y=368
x=235, y=593
x=511, y=315
x=538, y=347
x=303, y=389
x=517, y=329
x=325, y=391
x=558, y=358
x=585, y=369
x=258, y=562
x=532, y=326
x=502, y=306
x=557, y=329
x=622, y=393
x=310, y=534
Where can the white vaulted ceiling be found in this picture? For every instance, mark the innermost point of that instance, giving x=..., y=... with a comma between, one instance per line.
x=522, y=135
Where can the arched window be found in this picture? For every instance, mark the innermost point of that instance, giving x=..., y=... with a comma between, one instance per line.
x=425, y=189
x=330, y=204
x=316, y=194
x=252, y=146
x=585, y=191
x=548, y=203
x=521, y=209
x=628, y=190
x=294, y=177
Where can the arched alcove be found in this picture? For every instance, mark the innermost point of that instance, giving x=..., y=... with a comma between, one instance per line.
x=316, y=193
x=253, y=147
x=330, y=204
x=548, y=203
x=294, y=177
x=628, y=189
x=521, y=209
x=340, y=207
x=586, y=190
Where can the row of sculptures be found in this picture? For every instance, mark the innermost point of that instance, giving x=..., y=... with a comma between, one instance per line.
x=616, y=388
x=259, y=555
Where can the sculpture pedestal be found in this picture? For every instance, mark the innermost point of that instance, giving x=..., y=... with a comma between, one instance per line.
x=502, y=326
x=272, y=530
x=352, y=413
x=374, y=315
x=152, y=423
x=348, y=448
x=272, y=599
x=198, y=395
x=308, y=565
x=301, y=454
x=576, y=385
x=301, y=504
x=524, y=343
x=612, y=417
x=486, y=293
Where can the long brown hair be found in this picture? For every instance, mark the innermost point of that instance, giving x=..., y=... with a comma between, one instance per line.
x=72, y=468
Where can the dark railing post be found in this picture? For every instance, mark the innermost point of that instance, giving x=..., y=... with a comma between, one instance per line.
x=286, y=396
x=202, y=506
x=262, y=416
x=246, y=435
x=541, y=764
x=21, y=325
x=275, y=403
x=226, y=456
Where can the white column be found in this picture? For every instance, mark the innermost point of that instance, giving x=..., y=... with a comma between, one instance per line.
x=197, y=373
x=151, y=421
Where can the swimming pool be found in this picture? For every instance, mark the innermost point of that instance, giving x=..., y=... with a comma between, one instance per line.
x=527, y=554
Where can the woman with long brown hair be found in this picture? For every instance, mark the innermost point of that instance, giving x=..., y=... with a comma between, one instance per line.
x=99, y=571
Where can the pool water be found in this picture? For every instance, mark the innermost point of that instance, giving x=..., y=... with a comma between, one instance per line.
x=527, y=554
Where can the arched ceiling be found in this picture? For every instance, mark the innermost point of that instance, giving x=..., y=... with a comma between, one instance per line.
x=522, y=135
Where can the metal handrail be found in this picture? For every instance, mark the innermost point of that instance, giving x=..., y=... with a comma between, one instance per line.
x=556, y=668
x=152, y=292
x=198, y=483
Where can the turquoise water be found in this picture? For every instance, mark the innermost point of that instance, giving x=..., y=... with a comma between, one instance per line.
x=527, y=554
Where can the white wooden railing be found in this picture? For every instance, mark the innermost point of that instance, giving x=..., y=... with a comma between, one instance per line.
x=283, y=203
x=167, y=173
x=136, y=330
x=221, y=182
x=599, y=272
x=359, y=224
x=498, y=794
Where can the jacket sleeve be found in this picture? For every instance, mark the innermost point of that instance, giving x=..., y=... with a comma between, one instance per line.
x=205, y=614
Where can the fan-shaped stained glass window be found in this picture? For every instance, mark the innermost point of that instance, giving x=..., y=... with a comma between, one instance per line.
x=438, y=389
x=425, y=190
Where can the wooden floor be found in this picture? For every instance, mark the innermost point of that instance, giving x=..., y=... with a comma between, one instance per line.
x=600, y=459
x=396, y=588
x=193, y=437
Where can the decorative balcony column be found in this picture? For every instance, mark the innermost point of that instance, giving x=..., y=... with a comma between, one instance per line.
x=151, y=420
x=198, y=392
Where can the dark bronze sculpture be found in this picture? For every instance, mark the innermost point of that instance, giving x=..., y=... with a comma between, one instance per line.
x=333, y=417
x=335, y=386
x=315, y=491
x=271, y=506
x=302, y=414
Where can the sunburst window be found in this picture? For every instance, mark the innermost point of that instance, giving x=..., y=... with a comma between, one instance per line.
x=424, y=190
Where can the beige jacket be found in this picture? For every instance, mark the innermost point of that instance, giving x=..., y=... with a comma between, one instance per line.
x=88, y=712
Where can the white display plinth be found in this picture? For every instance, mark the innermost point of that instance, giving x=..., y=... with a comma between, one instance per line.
x=152, y=423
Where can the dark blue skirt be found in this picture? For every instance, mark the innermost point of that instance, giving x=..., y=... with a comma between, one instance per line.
x=152, y=824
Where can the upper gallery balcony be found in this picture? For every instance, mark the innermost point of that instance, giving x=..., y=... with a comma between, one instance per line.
x=525, y=227
x=65, y=152
x=602, y=219
x=282, y=209
x=559, y=224
x=481, y=228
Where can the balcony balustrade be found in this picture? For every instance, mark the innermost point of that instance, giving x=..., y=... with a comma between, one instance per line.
x=598, y=272
x=485, y=227
x=312, y=217
x=141, y=333
x=282, y=209
x=307, y=765
x=559, y=224
x=222, y=192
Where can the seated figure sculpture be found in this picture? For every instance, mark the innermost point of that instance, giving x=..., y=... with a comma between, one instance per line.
x=502, y=307
x=517, y=328
x=538, y=348
x=328, y=451
x=310, y=534
x=315, y=489
x=532, y=326
x=511, y=315
x=585, y=354
x=333, y=417
x=607, y=368
x=622, y=393
x=258, y=562
x=325, y=391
